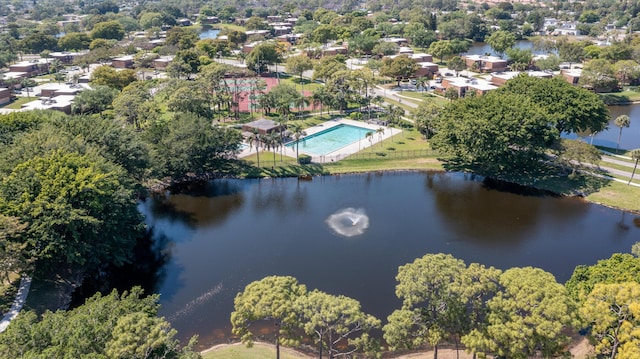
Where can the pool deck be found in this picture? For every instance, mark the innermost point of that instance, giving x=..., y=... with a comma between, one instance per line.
x=342, y=152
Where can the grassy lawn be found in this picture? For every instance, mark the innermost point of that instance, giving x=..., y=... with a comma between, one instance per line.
x=619, y=195
x=405, y=151
x=230, y=27
x=309, y=86
x=258, y=351
x=627, y=168
x=425, y=96
x=17, y=104
x=622, y=97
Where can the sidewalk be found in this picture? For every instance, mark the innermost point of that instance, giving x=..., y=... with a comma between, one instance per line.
x=21, y=297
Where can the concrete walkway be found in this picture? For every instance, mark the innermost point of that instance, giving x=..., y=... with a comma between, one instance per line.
x=21, y=297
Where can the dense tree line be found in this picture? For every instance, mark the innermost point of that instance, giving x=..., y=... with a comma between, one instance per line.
x=112, y=326
x=515, y=128
x=516, y=313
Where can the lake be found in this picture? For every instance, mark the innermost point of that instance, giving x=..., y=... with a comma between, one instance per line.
x=481, y=48
x=630, y=138
x=223, y=235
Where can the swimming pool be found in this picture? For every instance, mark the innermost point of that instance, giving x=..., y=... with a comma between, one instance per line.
x=331, y=139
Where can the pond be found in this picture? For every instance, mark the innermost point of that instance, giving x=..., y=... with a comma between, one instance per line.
x=227, y=233
x=209, y=34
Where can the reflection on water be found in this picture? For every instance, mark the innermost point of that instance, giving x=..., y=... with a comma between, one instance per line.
x=255, y=228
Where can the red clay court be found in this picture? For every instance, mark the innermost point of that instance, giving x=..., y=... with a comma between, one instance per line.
x=246, y=84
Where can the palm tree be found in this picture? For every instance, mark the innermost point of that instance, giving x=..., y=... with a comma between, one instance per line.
x=297, y=132
x=395, y=113
x=635, y=154
x=621, y=121
x=283, y=126
x=369, y=136
x=321, y=97
x=422, y=82
x=255, y=138
x=301, y=102
x=272, y=141
x=380, y=132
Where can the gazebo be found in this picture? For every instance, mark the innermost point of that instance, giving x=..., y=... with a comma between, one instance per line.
x=263, y=126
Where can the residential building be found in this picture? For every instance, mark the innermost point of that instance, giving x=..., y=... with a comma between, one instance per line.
x=162, y=62
x=31, y=67
x=52, y=90
x=427, y=69
x=184, y=22
x=485, y=63
x=335, y=50
x=124, y=62
x=500, y=78
x=572, y=76
x=400, y=41
x=209, y=20
x=463, y=86
x=60, y=103
x=5, y=96
x=65, y=57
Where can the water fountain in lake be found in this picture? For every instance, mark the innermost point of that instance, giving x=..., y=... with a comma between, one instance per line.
x=349, y=222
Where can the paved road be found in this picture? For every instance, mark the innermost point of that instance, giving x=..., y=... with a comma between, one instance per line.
x=617, y=161
x=21, y=297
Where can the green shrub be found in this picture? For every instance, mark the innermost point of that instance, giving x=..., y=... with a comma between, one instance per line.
x=304, y=159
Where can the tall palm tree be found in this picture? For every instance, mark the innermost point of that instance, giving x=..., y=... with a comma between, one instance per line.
x=422, y=82
x=635, y=154
x=369, y=136
x=283, y=126
x=297, y=132
x=255, y=138
x=301, y=102
x=380, y=132
x=621, y=121
x=272, y=141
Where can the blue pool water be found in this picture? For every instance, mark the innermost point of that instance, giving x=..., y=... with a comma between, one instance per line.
x=331, y=139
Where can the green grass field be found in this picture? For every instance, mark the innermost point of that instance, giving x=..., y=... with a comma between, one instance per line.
x=258, y=351
x=17, y=104
x=618, y=195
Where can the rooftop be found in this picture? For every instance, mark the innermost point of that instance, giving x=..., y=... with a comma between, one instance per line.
x=485, y=58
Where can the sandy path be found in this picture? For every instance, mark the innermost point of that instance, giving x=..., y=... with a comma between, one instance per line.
x=580, y=349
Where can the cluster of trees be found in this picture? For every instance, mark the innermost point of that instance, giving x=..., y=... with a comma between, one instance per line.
x=517, y=313
x=113, y=326
x=336, y=324
x=512, y=130
x=69, y=183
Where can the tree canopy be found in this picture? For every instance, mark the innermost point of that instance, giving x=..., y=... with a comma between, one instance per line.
x=495, y=133
x=530, y=314
x=619, y=268
x=112, y=326
x=572, y=109
x=271, y=298
x=79, y=208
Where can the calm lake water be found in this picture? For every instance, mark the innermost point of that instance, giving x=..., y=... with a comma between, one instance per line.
x=630, y=138
x=228, y=233
x=481, y=48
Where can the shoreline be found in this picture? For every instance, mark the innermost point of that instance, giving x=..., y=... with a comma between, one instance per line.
x=164, y=185
x=579, y=348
